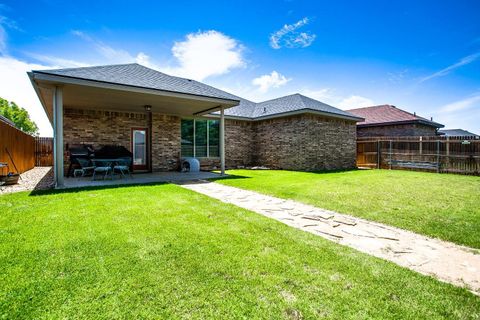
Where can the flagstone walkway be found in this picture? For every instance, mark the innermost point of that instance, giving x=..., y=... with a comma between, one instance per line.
x=446, y=261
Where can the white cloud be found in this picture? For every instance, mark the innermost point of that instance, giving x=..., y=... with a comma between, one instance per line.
x=353, y=102
x=288, y=36
x=15, y=86
x=464, y=61
x=272, y=80
x=5, y=23
x=205, y=54
x=464, y=104
x=58, y=62
x=113, y=55
x=329, y=96
x=325, y=95
x=3, y=39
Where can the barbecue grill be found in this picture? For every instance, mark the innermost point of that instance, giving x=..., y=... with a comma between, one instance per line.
x=85, y=151
x=112, y=152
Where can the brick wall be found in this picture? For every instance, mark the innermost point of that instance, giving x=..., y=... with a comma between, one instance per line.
x=396, y=130
x=305, y=142
x=99, y=128
x=166, y=142
x=239, y=146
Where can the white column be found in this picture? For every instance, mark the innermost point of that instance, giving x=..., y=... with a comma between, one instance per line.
x=58, y=136
x=222, y=141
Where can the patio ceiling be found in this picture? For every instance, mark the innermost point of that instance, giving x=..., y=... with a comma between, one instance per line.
x=87, y=94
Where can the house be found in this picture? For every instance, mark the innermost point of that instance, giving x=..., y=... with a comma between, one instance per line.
x=162, y=118
x=388, y=120
x=457, y=133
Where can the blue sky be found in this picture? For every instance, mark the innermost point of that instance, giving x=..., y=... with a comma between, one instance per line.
x=422, y=56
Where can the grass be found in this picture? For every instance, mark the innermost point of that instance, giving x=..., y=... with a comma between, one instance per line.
x=160, y=251
x=445, y=206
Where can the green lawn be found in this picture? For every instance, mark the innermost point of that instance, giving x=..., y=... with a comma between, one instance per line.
x=159, y=251
x=445, y=206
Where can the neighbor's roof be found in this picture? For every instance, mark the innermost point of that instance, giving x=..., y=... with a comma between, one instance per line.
x=457, y=132
x=137, y=75
x=388, y=115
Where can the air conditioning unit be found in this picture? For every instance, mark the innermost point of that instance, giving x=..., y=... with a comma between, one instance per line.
x=190, y=165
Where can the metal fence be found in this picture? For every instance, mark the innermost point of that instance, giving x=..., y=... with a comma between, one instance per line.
x=438, y=154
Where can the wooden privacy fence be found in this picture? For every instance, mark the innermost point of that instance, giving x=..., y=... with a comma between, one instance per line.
x=21, y=147
x=43, y=152
x=436, y=153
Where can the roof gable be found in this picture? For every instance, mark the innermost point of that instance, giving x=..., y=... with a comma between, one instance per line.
x=295, y=102
x=388, y=114
x=137, y=75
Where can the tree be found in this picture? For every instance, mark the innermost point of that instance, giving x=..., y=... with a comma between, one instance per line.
x=19, y=116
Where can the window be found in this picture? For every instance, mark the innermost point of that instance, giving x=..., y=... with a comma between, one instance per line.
x=213, y=138
x=187, y=138
x=200, y=138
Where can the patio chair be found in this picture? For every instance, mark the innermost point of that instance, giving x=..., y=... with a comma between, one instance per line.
x=86, y=168
x=102, y=167
x=123, y=166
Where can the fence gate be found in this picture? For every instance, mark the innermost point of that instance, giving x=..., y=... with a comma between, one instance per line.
x=43, y=152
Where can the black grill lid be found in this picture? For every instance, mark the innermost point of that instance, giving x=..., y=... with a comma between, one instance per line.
x=112, y=152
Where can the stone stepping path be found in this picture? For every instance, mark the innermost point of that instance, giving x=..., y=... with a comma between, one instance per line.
x=445, y=261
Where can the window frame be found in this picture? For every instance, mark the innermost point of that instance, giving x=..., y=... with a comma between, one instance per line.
x=207, y=120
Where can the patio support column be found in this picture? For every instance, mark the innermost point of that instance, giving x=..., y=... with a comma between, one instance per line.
x=58, y=136
x=222, y=141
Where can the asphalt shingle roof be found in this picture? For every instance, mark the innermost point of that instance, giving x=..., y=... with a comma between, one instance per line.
x=387, y=113
x=137, y=75
x=457, y=132
x=295, y=102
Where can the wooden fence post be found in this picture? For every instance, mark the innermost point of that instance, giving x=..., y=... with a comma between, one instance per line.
x=390, y=155
x=378, y=154
x=420, y=147
x=438, y=156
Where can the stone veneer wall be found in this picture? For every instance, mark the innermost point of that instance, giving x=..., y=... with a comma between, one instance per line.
x=99, y=127
x=396, y=130
x=305, y=142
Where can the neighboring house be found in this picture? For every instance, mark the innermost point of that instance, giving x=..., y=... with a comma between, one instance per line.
x=388, y=120
x=457, y=133
x=131, y=105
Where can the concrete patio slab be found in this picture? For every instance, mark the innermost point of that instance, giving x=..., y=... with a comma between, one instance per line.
x=140, y=178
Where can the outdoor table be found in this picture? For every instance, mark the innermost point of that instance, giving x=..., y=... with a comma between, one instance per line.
x=112, y=162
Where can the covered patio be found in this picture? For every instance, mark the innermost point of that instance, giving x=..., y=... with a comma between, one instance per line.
x=140, y=178
x=121, y=101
